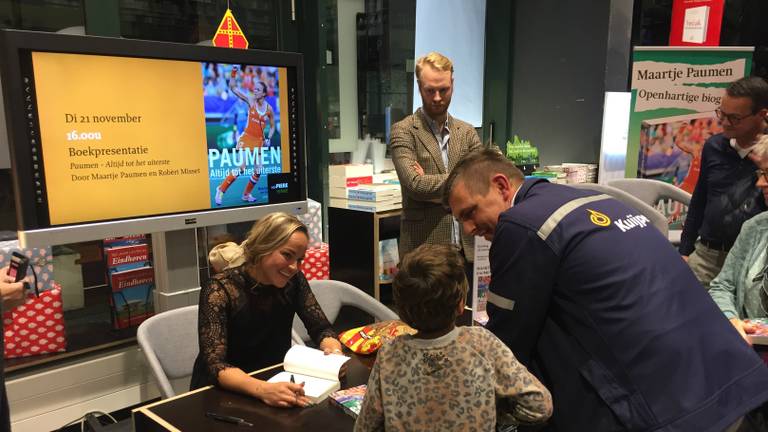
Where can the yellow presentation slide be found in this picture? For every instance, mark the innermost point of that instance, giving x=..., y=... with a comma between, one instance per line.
x=121, y=137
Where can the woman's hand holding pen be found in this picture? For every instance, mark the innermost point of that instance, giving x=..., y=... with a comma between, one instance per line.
x=284, y=394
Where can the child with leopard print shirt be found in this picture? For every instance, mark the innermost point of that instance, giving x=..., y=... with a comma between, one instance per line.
x=445, y=378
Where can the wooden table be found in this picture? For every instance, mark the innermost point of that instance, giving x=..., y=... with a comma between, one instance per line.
x=186, y=412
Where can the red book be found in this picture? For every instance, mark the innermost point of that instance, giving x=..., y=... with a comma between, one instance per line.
x=132, y=278
x=696, y=22
x=120, y=256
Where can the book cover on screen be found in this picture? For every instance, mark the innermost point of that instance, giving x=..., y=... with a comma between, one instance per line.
x=319, y=372
x=350, y=400
x=245, y=118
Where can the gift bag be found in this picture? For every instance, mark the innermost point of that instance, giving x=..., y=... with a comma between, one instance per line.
x=313, y=219
x=316, y=263
x=36, y=327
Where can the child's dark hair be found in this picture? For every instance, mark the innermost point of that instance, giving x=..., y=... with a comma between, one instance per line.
x=428, y=287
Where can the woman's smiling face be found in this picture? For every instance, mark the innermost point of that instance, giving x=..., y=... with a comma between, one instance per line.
x=281, y=265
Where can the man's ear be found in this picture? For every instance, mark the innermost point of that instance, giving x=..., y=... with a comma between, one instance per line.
x=500, y=183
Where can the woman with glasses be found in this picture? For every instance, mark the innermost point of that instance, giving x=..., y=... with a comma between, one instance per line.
x=741, y=287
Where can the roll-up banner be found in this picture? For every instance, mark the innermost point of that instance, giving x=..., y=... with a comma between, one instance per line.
x=675, y=91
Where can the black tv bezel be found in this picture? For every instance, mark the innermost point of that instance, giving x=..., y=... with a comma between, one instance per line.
x=33, y=229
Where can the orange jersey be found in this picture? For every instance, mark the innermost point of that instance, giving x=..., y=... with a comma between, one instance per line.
x=689, y=183
x=253, y=135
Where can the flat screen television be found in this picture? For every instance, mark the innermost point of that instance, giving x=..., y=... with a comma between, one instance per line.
x=113, y=137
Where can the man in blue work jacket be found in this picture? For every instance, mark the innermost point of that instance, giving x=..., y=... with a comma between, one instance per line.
x=597, y=303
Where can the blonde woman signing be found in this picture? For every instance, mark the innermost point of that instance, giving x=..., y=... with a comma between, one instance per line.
x=246, y=313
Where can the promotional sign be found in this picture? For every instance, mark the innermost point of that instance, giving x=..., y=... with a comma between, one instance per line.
x=229, y=34
x=696, y=22
x=674, y=94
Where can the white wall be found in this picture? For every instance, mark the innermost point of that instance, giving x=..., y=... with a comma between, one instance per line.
x=347, y=11
x=456, y=29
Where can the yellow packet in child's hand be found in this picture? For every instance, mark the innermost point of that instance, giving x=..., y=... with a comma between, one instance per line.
x=367, y=339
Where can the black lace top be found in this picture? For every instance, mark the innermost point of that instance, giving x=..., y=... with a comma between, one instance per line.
x=247, y=325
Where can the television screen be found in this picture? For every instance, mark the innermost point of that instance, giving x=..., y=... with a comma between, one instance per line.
x=119, y=137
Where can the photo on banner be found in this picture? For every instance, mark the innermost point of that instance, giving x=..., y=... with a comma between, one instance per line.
x=674, y=94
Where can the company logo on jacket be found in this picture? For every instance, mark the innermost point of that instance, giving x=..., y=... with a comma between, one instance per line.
x=598, y=218
x=632, y=221
x=625, y=224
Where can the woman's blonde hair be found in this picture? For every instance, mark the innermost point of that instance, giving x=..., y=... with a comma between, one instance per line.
x=269, y=233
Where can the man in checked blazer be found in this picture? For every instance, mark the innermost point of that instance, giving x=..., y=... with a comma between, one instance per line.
x=425, y=146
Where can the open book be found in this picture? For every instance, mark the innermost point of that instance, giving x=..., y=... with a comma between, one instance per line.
x=319, y=372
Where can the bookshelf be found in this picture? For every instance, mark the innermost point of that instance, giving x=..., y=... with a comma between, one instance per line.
x=353, y=238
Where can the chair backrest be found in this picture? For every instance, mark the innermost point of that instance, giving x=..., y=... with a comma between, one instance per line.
x=651, y=191
x=333, y=294
x=657, y=219
x=169, y=342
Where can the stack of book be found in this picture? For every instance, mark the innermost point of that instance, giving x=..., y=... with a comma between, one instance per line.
x=574, y=172
x=349, y=175
x=352, y=187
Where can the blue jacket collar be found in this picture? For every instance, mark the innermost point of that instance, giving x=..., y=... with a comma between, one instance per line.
x=525, y=187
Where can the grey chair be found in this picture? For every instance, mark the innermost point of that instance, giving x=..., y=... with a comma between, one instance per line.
x=657, y=219
x=169, y=343
x=653, y=191
x=333, y=294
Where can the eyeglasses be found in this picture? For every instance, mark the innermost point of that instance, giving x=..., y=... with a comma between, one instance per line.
x=761, y=172
x=733, y=119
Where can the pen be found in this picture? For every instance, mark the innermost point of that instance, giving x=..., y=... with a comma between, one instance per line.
x=292, y=379
x=228, y=419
